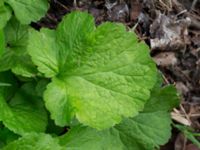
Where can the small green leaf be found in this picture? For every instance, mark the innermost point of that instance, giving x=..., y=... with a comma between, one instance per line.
x=34, y=141
x=163, y=99
x=102, y=74
x=147, y=130
x=28, y=10
x=58, y=103
x=24, y=113
x=15, y=56
x=16, y=36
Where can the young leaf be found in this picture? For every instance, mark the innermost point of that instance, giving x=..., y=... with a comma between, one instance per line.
x=34, y=141
x=24, y=113
x=28, y=10
x=58, y=103
x=15, y=56
x=105, y=73
x=147, y=130
x=16, y=36
x=164, y=99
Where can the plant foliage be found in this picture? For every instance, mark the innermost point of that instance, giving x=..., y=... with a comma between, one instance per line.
x=99, y=83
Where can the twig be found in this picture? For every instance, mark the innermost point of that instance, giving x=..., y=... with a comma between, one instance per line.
x=62, y=5
x=193, y=4
x=75, y=3
x=186, y=115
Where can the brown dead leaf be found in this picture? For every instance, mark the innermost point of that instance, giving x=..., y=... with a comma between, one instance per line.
x=192, y=147
x=135, y=10
x=165, y=59
x=167, y=33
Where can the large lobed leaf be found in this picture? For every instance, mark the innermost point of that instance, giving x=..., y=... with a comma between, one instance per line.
x=99, y=74
x=146, y=131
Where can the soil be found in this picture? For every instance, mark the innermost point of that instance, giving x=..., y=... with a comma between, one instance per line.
x=171, y=28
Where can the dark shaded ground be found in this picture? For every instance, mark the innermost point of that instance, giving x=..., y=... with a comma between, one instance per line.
x=172, y=30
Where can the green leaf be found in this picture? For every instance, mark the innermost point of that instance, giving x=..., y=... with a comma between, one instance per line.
x=146, y=131
x=34, y=141
x=24, y=113
x=72, y=35
x=7, y=60
x=163, y=99
x=24, y=67
x=102, y=74
x=58, y=102
x=16, y=36
x=15, y=56
x=43, y=50
x=5, y=14
x=29, y=10
x=86, y=138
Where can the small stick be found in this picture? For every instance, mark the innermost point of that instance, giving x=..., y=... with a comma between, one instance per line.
x=193, y=4
x=62, y=5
